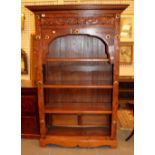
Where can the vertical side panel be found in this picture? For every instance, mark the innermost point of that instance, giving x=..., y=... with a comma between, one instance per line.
x=115, y=78
x=38, y=47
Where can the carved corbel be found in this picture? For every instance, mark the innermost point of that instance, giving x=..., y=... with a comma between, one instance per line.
x=111, y=54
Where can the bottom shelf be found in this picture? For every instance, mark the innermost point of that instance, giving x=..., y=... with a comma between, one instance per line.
x=78, y=136
x=79, y=131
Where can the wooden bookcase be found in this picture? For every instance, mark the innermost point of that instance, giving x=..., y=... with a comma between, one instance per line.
x=77, y=73
x=126, y=90
x=29, y=111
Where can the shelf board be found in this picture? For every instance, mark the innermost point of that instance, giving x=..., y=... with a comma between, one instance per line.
x=77, y=86
x=80, y=131
x=81, y=126
x=78, y=60
x=79, y=82
x=126, y=101
x=126, y=90
x=75, y=110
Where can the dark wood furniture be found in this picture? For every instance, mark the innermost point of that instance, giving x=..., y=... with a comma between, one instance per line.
x=126, y=95
x=77, y=51
x=126, y=90
x=29, y=111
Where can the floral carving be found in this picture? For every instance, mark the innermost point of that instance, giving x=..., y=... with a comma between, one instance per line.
x=77, y=21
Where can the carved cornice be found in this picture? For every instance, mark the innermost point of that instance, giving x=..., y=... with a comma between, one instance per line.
x=77, y=21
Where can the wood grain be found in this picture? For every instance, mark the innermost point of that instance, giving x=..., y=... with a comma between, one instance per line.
x=77, y=73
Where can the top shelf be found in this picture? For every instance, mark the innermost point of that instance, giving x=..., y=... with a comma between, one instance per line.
x=78, y=86
x=77, y=60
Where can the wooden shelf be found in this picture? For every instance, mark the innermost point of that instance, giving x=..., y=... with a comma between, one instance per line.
x=126, y=101
x=77, y=60
x=79, y=82
x=76, y=110
x=126, y=90
x=126, y=79
x=78, y=86
x=78, y=131
x=80, y=126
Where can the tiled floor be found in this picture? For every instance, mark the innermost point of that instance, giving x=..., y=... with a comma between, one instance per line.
x=31, y=147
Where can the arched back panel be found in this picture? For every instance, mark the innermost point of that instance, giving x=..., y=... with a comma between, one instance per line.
x=77, y=46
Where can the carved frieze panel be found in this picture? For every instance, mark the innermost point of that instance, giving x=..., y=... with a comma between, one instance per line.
x=104, y=20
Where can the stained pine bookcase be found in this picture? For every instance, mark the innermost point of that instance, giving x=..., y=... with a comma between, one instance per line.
x=77, y=60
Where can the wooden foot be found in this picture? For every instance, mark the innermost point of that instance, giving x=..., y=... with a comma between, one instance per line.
x=114, y=146
x=42, y=143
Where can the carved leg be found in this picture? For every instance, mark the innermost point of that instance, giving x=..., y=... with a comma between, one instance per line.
x=42, y=143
